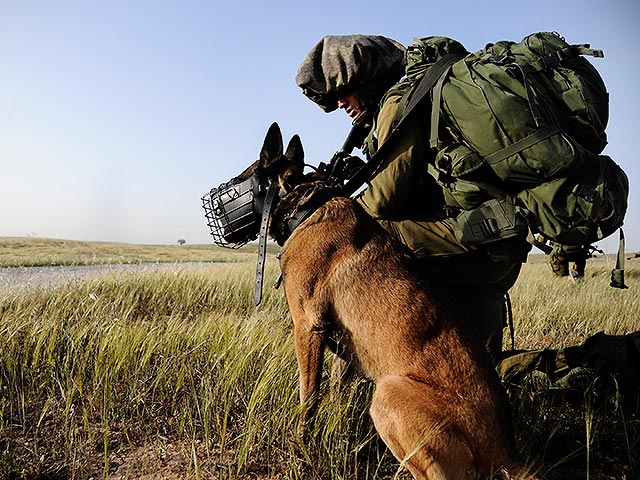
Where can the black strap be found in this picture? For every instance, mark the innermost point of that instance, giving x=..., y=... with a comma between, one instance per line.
x=315, y=198
x=262, y=245
x=425, y=86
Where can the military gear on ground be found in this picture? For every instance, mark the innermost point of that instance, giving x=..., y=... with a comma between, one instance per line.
x=617, y=274
x=368, y=64
x=524, y=123
x=576, y=367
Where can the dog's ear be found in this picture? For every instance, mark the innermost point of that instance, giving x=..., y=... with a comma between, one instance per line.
x=292, y=172
x=272, y=147
x=295, y=152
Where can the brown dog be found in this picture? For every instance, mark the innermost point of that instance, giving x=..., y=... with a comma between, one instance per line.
x=438, y=403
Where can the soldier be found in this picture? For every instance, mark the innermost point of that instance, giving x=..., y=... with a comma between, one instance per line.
x=569, y=261
x=358, y=74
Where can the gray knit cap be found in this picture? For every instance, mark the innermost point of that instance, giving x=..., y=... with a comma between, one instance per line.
x=370, y=64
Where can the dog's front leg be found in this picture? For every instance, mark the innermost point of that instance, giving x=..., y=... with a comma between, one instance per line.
x=309, y=345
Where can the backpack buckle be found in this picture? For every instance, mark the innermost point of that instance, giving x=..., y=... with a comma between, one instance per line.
x=499, y=59
x=489, y=227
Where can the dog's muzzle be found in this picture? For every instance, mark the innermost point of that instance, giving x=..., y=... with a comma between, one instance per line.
x=234, y=211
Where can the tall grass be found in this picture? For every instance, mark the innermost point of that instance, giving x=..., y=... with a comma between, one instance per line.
x=95, y=368
x=178, y=375
x=555, y=312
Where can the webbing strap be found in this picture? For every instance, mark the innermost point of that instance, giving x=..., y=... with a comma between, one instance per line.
x=435, y=108
x=531, y=96
x=401, y=107
x=563, y=54
x=425, y=86
x=617, y=274
x=431, y=77
x=262, y=245
x=521, y=144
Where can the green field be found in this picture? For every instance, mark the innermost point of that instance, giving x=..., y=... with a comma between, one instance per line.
x=177, y=375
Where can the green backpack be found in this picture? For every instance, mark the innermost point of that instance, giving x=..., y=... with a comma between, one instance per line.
x=518, y=130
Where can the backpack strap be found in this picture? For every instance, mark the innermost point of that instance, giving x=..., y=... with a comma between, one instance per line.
x=425, y=86
x=402, y=104
x=435, y=108
x=521, y=144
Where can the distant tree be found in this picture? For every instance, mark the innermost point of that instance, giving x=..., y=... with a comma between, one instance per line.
x=181, y=241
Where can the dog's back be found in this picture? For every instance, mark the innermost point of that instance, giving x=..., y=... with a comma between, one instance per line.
x=350, y=283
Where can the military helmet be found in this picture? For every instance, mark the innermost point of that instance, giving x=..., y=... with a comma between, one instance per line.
x=370, y=64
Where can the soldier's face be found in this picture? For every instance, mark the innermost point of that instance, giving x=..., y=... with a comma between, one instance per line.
x=350, y=102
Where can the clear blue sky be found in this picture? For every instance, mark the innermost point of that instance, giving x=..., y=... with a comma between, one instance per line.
x=116, y=116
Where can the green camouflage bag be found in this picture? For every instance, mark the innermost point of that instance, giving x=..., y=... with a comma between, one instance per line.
x=523, y=123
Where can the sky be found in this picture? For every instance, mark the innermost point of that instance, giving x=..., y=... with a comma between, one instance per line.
x=117, y=116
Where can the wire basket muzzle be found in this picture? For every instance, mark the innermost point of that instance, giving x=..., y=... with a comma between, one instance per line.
x=233, y=212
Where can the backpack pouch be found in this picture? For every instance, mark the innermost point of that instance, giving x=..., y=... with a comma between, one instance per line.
x=570, y=92
x=581, y=208
x=490, y=111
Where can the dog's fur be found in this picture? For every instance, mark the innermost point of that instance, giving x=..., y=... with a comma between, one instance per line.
x=438, y=403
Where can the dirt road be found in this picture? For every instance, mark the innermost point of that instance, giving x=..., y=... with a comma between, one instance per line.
x=21, y=277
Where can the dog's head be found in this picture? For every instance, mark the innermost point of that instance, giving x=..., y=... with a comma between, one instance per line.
x=275, y=165
x=234, y=209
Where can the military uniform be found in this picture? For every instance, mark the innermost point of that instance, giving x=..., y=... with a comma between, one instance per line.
x=565, y=260
x=401, y=195
x=405, y=199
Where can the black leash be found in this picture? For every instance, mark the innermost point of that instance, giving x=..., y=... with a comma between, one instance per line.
x=262, y=244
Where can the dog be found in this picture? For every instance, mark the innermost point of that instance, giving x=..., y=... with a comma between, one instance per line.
x=438, y=403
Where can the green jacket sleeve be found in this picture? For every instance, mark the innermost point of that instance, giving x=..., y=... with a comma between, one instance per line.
x=399, y=188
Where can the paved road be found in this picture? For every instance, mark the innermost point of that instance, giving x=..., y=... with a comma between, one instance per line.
x=16, y=277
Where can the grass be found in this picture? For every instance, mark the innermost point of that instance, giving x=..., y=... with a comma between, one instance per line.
x=20, y=251
x=178, y=375
x=558, y=312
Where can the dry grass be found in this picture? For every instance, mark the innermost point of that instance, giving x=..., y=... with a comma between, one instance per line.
x=163, y=375
x=19, y=251
x=552, y=312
